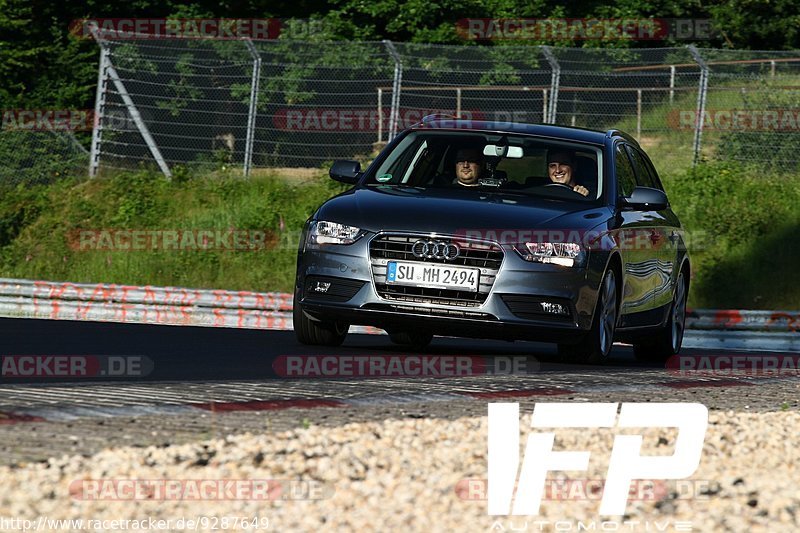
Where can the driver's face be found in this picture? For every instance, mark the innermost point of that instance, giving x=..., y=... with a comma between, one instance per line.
x=560, y=173
x=468, y=172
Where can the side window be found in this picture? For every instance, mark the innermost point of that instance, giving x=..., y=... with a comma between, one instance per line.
x=643, y=177
x=626, y=179
x=653, y=173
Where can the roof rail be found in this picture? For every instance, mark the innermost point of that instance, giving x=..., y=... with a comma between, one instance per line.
x=437, y=116
x=627, y=137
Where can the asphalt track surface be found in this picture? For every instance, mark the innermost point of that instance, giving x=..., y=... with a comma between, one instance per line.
x=208, y=382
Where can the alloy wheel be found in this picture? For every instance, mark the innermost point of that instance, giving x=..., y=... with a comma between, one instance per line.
x=608, y=313
x=679, y=314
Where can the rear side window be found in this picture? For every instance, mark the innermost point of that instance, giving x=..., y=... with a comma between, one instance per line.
x=653, y=173
x=644, y=176
x=626, y=179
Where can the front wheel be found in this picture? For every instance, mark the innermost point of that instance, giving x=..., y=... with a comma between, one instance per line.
x=667, y=341
x=596, y=345
x=320, y=333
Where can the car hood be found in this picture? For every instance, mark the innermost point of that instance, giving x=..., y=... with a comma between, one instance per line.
x=453, y=211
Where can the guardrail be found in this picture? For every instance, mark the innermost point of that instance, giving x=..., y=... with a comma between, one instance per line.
x=146, y=305
x=743, y=320
x=174, y=306
x=251, y=310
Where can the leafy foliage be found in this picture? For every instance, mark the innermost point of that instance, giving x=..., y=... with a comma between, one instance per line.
x=742, y=223
x=37, y=225
x=43, y=65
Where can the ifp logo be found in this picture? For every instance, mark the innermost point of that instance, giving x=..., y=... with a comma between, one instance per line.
x=625, y=464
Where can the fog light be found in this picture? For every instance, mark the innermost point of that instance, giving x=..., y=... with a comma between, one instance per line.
x=554, y=308
x=321, y=286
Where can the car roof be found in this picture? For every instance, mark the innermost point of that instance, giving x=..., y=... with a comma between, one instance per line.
x=545, y=130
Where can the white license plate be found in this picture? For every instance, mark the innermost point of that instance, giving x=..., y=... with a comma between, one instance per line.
x=430, y=275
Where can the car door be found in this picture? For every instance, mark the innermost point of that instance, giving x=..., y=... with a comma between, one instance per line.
x=664, y=231
x=635, y=248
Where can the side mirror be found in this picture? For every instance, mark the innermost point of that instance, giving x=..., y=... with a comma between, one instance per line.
x=346, y=171
x=647, y=198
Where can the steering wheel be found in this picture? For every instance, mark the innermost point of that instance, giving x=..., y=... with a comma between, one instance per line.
x=554, y=184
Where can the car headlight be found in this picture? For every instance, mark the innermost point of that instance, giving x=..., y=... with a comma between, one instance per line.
x=558, y=253
x=324, y=232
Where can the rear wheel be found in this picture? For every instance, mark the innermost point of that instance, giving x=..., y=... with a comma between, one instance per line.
x=415, y=340
x=596, y=345
x=667, y=341
x=320, y=333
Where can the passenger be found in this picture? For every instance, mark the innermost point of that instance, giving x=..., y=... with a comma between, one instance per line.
x=560, y=169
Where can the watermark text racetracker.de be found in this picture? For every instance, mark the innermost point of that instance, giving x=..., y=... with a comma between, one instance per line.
x=735, y=364
x=363, y=119
x=749, y=120
x=135, y=489
x=583, y=29
x=74, y=366
x=645, y=238
x=65, y=119
x=400, y=366
x=140, y=240
x=200, y=28
x=583, y=489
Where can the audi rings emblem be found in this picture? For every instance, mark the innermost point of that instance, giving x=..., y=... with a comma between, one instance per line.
x=435, y=250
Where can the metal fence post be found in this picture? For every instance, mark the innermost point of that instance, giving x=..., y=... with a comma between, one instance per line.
x=555, y=81
x=701, y=101
x=99, y=107
x=638, y=113
x=380, y=114
x=544, y=106
x=394, y=113
x=253, y=110
x=671, y=83
x=131, y=107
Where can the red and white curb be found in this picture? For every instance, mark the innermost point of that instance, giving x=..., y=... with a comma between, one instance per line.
x=252, y=310
x=71, y=413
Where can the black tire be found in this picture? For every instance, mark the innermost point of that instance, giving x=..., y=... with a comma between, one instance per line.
x=667, y=341
x=314, y=333
x=596, y=345
x=416, y=340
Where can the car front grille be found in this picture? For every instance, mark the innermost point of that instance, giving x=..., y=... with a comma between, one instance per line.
x=389, y=247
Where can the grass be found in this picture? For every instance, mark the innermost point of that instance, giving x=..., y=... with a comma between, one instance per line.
x=37, y=225
x=744, y=224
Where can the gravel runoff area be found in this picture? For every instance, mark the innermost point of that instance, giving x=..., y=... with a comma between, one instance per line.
x=402, y=475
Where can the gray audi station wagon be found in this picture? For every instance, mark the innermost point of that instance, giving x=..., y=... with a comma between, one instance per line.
x=503, y=231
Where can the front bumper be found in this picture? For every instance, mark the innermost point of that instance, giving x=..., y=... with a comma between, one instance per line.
x=504, y=314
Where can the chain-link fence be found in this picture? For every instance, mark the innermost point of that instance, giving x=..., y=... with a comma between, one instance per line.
x=257, y=104
x=30, y=157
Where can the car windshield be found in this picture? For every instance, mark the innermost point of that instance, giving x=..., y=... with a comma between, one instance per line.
x=508, y=162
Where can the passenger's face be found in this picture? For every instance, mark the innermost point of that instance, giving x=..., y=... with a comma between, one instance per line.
x=560, y=172
x=468, y=172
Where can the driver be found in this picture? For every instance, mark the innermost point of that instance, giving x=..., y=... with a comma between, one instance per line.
x=560, y=168
x=469, y=166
